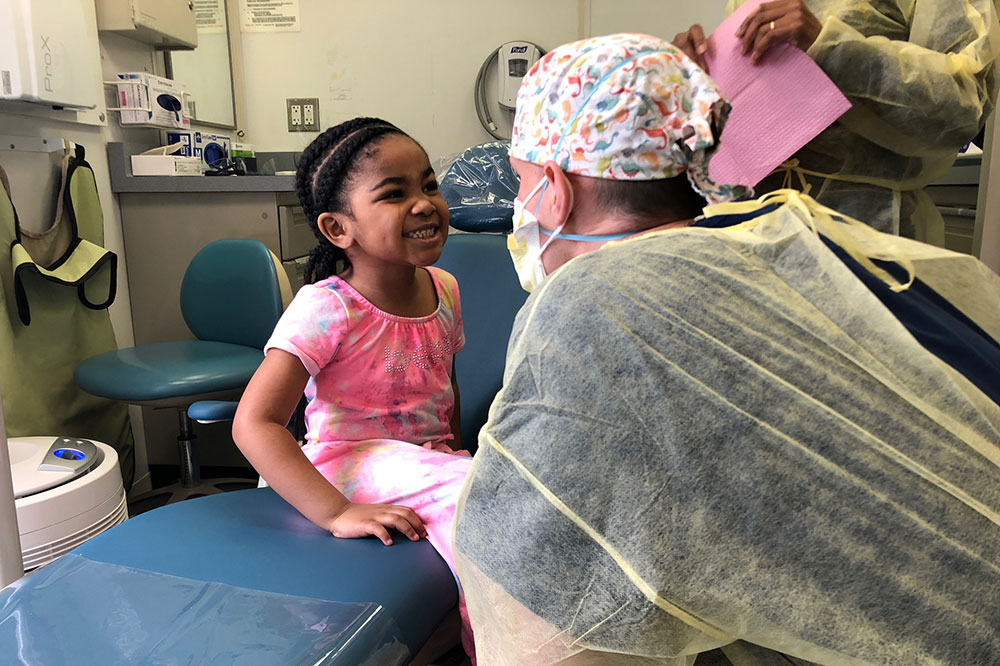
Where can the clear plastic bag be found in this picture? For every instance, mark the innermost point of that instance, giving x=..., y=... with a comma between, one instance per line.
x=80, y=611
x=480, y=186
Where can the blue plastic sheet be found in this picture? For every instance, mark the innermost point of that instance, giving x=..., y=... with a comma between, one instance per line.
x=79, y=611
x=480, y=187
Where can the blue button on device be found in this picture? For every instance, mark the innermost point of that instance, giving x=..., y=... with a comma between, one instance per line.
x=69, y=454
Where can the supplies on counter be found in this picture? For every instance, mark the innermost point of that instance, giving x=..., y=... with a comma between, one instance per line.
x=211, y=149
x=166, y=161
x=242, y=150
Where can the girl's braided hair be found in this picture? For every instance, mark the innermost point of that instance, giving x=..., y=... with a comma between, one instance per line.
x=322, y=178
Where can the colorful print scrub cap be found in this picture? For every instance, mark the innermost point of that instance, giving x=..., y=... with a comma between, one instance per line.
x=622, y=107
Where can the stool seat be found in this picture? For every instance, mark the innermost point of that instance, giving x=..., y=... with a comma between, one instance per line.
x=168, y=370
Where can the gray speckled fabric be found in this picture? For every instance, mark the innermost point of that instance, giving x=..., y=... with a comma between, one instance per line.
x=707, y=435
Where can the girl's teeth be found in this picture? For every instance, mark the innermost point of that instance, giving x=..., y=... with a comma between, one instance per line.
x=425, y=233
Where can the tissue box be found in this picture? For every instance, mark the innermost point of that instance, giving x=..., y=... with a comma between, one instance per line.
x=209, y=148
x=166, y=165
x=148, y=100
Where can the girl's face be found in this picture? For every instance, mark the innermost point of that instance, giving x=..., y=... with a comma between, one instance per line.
x=398, y=214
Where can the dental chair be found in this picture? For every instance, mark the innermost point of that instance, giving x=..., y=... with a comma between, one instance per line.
x=232, y=295
x=242, y=577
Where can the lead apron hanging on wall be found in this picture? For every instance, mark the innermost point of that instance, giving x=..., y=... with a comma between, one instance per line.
x=57, y=286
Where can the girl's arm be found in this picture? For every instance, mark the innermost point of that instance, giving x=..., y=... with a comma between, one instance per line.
x=259, y=431
x=456, y=415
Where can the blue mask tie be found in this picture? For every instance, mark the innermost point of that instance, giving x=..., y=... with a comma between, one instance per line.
x=588, y=238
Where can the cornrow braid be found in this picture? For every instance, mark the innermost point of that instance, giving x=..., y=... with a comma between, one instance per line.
x=322, y=179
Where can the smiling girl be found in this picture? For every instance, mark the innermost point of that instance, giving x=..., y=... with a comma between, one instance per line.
x=371, y=342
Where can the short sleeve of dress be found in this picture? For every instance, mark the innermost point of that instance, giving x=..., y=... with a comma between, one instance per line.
x=452, y=302
x=312, y=327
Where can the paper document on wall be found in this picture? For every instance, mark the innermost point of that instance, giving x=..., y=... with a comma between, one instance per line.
x=210, y=17
x=269, y=15
x=779, y=105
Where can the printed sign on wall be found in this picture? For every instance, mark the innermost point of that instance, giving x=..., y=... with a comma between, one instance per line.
x=269, y=15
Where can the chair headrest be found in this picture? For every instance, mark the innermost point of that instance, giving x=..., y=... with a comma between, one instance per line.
x=480, y=187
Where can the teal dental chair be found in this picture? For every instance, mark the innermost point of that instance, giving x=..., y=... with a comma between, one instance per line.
x=232, y=294
x=491, y=296
x=243, y=578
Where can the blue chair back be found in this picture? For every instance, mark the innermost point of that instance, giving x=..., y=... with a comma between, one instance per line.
x=230, y=293
x=491, y=297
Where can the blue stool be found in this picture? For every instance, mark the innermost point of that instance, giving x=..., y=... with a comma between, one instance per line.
x=231, y=296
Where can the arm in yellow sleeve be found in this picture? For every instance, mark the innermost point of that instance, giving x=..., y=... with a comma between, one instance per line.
x=922, y=95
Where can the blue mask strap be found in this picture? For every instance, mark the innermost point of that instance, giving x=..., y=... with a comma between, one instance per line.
x=588, y=238
x=540, y=195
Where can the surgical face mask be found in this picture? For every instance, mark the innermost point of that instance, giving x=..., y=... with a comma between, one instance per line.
x=524, y=245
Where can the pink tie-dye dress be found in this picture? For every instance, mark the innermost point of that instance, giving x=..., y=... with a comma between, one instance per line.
x=381, y=399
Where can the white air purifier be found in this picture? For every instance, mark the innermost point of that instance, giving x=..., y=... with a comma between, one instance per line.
x=66, y=491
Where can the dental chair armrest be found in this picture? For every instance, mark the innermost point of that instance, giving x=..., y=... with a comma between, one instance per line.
x=212, y=411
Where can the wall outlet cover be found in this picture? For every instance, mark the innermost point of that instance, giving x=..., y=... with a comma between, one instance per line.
x=303, y=114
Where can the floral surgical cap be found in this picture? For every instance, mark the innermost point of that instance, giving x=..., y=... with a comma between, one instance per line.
x=622, y=107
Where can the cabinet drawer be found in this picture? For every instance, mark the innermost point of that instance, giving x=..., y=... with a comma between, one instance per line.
x=297, y=239
x=296, y=269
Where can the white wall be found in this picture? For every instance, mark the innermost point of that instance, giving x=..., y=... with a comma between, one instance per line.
x=664, y=18
x=415, y=63
x=33, y=179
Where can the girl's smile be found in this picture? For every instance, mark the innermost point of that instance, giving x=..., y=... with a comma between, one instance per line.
x=397, y=217
x=425, y=232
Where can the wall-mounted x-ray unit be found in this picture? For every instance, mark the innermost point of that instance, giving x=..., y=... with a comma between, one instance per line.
x=49, y=53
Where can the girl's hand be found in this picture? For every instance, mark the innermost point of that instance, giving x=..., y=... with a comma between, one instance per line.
x=358, y=520
x=694, y=45
x=779, y=21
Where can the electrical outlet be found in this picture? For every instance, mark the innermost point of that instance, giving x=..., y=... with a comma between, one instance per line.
x=293, y=110
x=303, y=114
x=310, y=114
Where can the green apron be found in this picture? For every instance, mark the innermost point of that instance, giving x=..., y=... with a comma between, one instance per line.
x=57, y=286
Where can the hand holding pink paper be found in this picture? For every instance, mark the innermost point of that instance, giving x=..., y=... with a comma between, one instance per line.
x=779, y=104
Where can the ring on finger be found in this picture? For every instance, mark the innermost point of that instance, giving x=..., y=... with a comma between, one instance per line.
x=771, y=26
